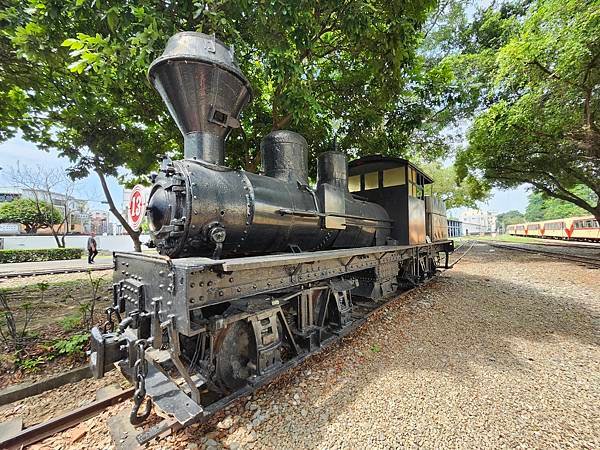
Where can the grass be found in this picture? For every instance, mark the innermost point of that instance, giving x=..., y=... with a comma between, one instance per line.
x=60, y=304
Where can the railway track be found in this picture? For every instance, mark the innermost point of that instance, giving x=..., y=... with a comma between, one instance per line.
x=36, y=433
x=587, y=260
x=460, y=255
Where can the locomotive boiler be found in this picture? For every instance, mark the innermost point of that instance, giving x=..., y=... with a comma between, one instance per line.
x=199, y=207
x=254, y=272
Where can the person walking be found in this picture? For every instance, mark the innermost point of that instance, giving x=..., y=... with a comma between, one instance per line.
x=92, y=248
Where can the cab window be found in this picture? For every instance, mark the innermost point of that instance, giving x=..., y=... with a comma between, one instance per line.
x=393, y=177
x=354, y=183
x=371, y=180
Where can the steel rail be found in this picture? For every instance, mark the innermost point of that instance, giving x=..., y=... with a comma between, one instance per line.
x=580, y=259
x=34, y=273
x=461, y=256
x=43, y=430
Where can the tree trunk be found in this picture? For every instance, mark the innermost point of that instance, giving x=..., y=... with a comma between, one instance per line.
x=597, y=214
x=56, y=238
x=134, y=235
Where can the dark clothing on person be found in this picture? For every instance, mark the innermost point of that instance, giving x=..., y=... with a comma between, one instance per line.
x=92, y=248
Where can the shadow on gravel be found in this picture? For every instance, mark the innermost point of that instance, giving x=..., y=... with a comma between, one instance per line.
x=457, y=327
x=456, y=334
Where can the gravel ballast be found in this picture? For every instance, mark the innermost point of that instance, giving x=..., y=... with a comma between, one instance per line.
x=500, y=351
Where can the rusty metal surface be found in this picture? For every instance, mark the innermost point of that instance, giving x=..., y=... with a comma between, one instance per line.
x=416, y=221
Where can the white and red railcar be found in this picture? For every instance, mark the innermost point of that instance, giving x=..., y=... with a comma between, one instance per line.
x=571, y=229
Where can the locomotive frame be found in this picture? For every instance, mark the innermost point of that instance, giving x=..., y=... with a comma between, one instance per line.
x=274, y=296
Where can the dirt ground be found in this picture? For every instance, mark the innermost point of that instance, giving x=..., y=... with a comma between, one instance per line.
x=501, y=351
x=50, y=299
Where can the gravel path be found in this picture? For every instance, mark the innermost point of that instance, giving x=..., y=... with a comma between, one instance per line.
x=501, y=351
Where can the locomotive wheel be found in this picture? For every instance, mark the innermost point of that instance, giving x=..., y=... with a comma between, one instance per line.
x=235, y=356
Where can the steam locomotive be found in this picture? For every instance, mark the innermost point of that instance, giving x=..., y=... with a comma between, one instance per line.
x=254, y=272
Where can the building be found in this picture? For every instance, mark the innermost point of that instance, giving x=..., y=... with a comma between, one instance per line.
x=455, y=228
x=476, y=221
x=76, y=209
x=99, y=222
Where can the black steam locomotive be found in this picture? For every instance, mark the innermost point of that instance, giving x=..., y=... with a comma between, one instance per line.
x=254, y=271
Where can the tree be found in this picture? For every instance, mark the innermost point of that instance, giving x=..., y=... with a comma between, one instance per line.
x=43, y=185
x=510, y=218
x=33, y=215
x=76, y=72
x=454, y=193
x=540, y=122
x=542, y=207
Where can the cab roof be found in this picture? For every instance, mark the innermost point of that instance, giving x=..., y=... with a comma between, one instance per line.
x=379, y=162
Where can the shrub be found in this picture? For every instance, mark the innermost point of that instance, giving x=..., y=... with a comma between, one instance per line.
x=31, y=364
x=71, y=346
x=41, y=254
x=71, y=322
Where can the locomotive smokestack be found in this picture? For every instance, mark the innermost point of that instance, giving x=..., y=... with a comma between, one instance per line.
x=332, y=168
x=199, y=81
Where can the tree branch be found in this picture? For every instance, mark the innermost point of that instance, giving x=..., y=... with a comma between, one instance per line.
x=554, y=75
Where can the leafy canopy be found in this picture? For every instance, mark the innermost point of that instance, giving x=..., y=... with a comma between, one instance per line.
x=539, y=125
x=455, y=194
x=542, y=207
x=510, y=218
x=76, y=76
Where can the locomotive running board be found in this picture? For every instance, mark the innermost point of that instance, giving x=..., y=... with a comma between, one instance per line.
x=168, y=426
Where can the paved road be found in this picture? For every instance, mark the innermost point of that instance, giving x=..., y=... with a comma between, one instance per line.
x=61, y=266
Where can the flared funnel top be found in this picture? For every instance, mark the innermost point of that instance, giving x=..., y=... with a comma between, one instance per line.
x=200, y=83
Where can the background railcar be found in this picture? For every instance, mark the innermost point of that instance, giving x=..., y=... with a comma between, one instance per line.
x=584, y=228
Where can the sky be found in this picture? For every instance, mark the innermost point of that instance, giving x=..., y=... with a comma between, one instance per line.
x=27, y=154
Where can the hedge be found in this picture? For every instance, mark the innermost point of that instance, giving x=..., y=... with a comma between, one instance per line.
x=39, y=254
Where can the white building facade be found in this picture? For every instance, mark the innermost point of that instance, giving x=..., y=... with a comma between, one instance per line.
x=476, y=221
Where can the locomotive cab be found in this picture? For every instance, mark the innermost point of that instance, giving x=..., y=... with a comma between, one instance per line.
x=398, y=186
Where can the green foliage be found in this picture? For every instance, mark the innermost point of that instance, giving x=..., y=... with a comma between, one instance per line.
x=455, y=193
x=320, y=68
x=33, y=215
x=510, y=218
x=41, y=254
x=376, y=348
x=30, y=364
x=541, y=207
x=70, y=323
x=12, y=336
x=71, y=346
x=540, y=98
